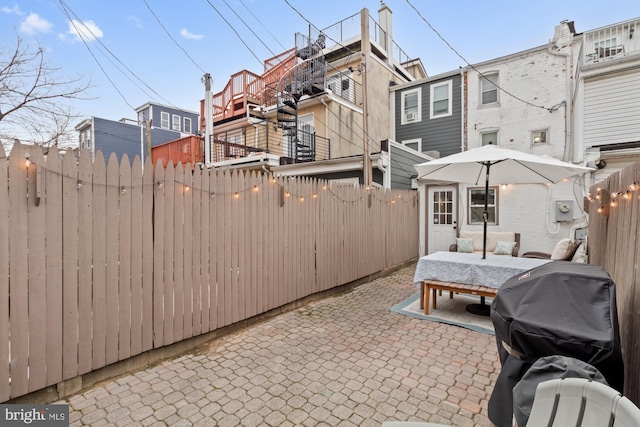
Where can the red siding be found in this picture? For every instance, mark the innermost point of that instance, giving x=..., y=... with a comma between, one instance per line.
x=183, y=150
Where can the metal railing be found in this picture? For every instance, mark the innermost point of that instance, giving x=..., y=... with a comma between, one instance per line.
x=614, y=41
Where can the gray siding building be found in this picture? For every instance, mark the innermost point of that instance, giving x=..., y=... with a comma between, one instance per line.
x=130, y=137
x=428, y=114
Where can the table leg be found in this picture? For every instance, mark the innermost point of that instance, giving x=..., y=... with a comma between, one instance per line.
x=422, y=286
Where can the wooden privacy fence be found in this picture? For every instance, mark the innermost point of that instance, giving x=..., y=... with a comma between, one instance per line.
x=106, y=261
x=614, y=244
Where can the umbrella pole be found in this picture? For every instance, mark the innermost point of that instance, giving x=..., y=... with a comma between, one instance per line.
x=485, y=214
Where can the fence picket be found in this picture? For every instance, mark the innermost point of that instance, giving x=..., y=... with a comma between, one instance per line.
x=5, y=387
x=196, y=260
x=187, y=245
x=53, y=204
x=113, y=243
x=70, y=267
x=85, y=262
x=137, y=241
x=36, y=274
x=148, y=190
x=159, y=240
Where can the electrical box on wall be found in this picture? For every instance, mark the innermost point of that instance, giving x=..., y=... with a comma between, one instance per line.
x=564, y=210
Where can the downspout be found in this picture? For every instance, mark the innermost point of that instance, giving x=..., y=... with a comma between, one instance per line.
x=568, y=134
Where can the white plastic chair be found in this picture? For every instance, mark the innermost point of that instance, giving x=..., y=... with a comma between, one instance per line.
x=578, y=402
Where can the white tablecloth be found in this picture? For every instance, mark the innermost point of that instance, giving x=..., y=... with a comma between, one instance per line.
x=471, y=269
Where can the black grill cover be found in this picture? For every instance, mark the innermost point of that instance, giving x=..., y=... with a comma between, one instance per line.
x=560, y=308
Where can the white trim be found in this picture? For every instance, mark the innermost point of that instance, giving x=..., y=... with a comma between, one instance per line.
x=403, y=114
x=162, y=114
x=413, y=141
x=173, y=122
x=485, y=77
x=449, y=112
x=184, y=122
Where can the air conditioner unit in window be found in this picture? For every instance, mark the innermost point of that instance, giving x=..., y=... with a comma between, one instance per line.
x=409, y=117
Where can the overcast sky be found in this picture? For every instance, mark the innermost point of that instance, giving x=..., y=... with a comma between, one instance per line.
x=141, y=44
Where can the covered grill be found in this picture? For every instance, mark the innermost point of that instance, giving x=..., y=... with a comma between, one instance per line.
x=560, y=308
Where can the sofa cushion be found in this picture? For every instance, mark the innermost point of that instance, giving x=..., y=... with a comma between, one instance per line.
x=493, y=237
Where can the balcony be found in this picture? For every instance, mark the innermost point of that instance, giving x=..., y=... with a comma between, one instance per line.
x=264, y=139
x=612, y=42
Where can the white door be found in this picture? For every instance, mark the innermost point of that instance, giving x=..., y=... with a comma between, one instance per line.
x=441, y=217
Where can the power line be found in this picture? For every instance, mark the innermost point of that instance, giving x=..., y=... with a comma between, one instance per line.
x=263, y=26
x=172, y=39
x=94, y=57
x=237, y=34
x=550, y=109
x=250, y=29
x=69, y=10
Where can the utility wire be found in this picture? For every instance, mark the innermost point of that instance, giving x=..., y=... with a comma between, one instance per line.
x=250, y=29
x=234, y=30
x=172, y=39
x=94, y=57
x=550, y=109
x=69, y=10
x=263, y=26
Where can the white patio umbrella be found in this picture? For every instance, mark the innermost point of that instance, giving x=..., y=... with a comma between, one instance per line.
x=495, y=165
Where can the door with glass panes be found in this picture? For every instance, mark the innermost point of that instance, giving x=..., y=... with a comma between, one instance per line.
x=442, y=217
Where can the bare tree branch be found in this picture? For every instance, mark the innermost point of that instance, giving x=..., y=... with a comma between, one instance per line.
x=34, y=97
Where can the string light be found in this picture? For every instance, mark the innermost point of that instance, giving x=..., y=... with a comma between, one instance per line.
x=123, y=190
x=255, y=188
x=236, y=195
x=79, y=185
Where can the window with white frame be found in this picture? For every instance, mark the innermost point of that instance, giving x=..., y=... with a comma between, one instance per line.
x=539, y=137
x=187, y=125
x=415, y=144
x=489, y=89
x=489, y=138
x=164, y=120
x=176, y=122
x=476, y=205
x=411, y=106
x=340, y=84
x=441, y=100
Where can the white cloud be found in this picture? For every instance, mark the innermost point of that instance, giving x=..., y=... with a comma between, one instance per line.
x=135, y=21
x=33, y=24
x=15, y=9
x=84, y=30
x=187, y=35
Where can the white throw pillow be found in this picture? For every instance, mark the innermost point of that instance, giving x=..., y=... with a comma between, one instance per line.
x=504, y=248
x=464, y=245
x=560, y=251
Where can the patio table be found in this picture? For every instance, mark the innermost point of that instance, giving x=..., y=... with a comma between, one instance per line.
x=468, y=273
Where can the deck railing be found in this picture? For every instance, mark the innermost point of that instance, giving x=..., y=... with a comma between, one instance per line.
x=614, y=41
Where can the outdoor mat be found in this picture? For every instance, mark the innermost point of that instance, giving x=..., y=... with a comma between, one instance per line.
x=449, y=311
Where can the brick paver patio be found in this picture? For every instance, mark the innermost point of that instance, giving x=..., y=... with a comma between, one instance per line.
x=343, y=361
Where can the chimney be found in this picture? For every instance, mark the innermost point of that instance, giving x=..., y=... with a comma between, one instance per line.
x=384, y=19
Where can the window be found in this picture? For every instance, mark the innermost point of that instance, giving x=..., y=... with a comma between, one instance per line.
x=539, y=137
x=489, y=138
x=441, y=100
x=476, y=205
x=411, y=106
x=176, y=122
x=164, y=120
x=489, y=89
x=443, y=207
x=415, y=144
x=187, y=125
x=340, y=84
